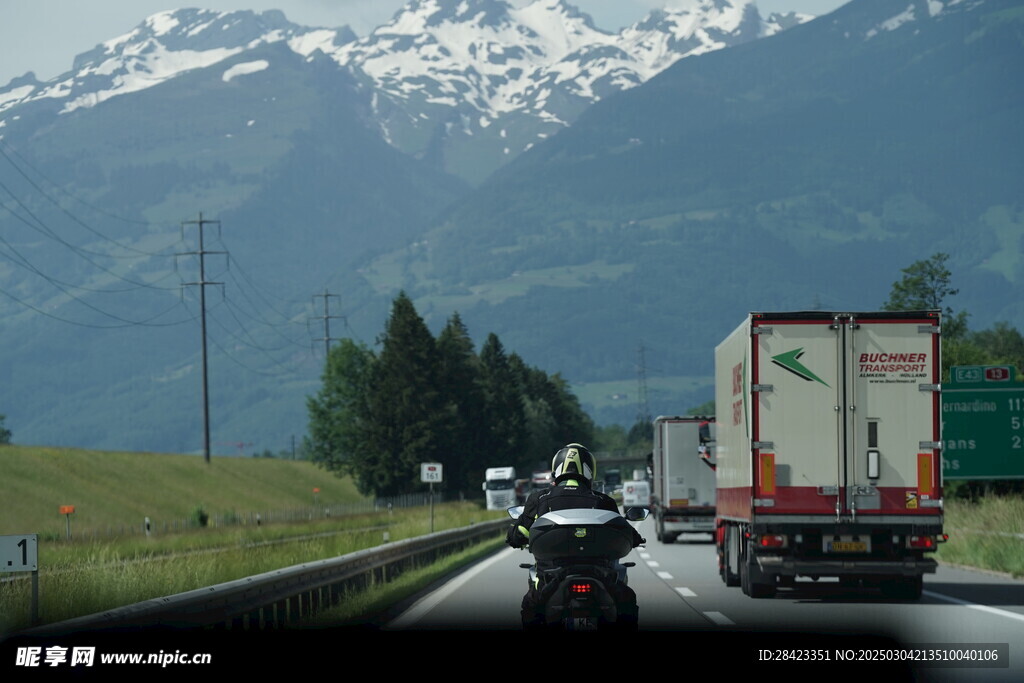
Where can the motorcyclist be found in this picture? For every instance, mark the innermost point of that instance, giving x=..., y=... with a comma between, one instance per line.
x=572, y=470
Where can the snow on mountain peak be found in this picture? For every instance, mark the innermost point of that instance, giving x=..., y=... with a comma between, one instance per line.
x=461, y=63
x=914, y=11
x=163, y=46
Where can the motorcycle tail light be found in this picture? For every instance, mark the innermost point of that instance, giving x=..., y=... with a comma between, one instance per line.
x=581, y=588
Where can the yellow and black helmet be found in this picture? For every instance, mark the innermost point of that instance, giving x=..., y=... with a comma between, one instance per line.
x=573, y=461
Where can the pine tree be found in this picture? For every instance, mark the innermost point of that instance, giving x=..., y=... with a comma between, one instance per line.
x=503, y=407
x=409, y=418
x=465, y=443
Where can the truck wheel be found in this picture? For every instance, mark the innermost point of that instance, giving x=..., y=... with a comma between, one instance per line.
x=753, y=582
x=903, y=588
x=668, y=539
x=731, y=578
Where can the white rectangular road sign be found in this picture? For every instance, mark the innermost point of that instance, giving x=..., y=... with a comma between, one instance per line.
x=19, y=553
x=431, y=472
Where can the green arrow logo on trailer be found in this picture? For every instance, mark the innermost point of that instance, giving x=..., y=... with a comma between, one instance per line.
x=788, y=361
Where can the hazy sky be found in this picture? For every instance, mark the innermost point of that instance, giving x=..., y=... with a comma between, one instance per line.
x=45, y=35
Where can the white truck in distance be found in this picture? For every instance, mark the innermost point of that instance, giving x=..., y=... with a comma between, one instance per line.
x=683, y=496
x=828, y=450
x=500, y=487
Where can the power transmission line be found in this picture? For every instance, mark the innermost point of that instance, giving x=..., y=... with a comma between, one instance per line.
x=203, y=284
x=327, y=317
x=642, y=407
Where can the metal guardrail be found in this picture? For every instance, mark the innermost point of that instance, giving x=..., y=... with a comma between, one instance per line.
x=286, y=595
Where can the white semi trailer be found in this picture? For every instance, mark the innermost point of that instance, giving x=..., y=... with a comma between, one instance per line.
x=500, y=487
x=683, y=495
x=829, y=450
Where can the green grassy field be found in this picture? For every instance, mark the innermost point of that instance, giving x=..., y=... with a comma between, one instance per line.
x=988, y=534
x=116, y=489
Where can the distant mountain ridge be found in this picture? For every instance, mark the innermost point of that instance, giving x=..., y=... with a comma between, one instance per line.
x=467, y=83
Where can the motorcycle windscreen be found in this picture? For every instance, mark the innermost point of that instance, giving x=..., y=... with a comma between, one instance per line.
x=797, y=430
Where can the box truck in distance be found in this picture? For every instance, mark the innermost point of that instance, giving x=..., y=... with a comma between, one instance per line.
x=683, y=494
x=829, y=450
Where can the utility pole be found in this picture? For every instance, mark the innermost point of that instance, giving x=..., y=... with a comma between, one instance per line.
x=642, y=407
x=326, y=317
x=203, y=283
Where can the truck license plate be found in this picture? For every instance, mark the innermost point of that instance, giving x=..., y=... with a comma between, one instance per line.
x=847, y=547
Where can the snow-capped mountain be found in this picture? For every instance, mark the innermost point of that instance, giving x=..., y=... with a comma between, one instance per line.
x=468, y=83
x=499, y=78
x=162, y=47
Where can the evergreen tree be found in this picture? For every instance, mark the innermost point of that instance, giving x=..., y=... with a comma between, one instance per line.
x=465, y=443
x=554, y=416
x=409, y=419
x=503, y=407
x=5, y=433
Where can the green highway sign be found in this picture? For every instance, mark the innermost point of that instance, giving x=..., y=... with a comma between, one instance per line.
x=983, y=423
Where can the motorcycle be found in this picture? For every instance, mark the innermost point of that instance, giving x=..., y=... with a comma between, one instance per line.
x=577, y=575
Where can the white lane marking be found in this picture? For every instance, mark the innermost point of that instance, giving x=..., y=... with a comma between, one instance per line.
x=665, y=575
x=645, y=556
x=429, y=602
x=983, y=608
x=719, y=619
x=652, y=563
x=686, y=592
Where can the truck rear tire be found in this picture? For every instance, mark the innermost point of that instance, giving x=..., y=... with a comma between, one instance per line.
x=731, y=578
x=668, y=538
x=753, y=581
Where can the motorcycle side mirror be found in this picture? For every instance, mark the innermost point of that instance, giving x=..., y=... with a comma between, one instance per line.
x=516, y=511
x=637, y=514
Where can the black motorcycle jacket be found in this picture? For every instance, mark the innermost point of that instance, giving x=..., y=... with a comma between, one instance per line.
x=565, y=495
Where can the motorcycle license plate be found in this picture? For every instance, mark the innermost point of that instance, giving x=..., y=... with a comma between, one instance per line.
x=582, y=623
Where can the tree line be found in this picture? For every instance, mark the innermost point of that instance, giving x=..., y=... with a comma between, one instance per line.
x=927, y=284
x=380, y=413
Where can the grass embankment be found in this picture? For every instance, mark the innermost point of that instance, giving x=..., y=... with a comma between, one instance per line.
x=115, y=489
x=86, y=575
x=984, y=534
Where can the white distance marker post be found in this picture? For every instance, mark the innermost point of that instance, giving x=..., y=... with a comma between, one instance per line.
x=20, y=553
x=431, y=472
